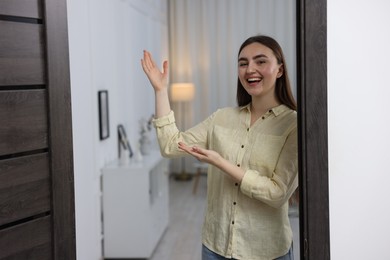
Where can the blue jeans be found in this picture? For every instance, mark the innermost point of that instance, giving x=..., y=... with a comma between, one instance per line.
x=207, y=254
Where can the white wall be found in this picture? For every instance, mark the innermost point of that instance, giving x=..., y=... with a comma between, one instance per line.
x=106, y=39
x=359, y=128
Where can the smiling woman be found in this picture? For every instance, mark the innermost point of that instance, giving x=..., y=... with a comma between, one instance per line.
x=204, y=38
x=256, y=175
x=311, y=89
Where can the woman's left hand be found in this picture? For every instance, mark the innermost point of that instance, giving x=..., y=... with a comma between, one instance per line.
x=215, y=159
x=203, y=155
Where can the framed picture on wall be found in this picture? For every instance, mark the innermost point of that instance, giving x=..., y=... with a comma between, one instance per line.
x=104, y=126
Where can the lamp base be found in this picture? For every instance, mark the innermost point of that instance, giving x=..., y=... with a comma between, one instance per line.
x=183, y=176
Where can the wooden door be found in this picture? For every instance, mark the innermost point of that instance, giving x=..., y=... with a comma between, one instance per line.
x=313, y=129
x=36, y=161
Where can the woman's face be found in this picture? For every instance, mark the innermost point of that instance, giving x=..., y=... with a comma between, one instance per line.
x=258, y=70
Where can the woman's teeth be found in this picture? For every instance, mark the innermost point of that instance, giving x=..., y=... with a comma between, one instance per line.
x=251, y=80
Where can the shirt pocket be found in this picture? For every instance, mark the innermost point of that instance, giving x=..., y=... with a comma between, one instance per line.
x=265, y=152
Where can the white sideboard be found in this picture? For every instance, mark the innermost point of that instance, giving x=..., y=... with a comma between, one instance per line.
x=135, y=206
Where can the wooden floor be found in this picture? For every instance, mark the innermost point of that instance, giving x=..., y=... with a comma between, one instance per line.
x=182, y=239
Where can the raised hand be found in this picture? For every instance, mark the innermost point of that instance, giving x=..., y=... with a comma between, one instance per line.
x=158, y=79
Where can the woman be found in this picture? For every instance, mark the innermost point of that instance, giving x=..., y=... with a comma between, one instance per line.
x=251, y=151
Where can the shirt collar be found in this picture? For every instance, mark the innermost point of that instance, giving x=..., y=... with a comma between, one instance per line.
x=276, y=110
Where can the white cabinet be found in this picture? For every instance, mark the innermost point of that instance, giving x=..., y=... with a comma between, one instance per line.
x=135, y=206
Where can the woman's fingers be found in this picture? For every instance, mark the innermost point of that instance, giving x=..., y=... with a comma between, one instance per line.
x=198, y=150
x=185, y=148
x=147, y=64
x=150, y=68
x=194, y=151
x=165, y=68
x=149, y=61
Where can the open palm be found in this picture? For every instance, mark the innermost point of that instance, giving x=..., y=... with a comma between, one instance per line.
x=203, y=155
x=158, y=79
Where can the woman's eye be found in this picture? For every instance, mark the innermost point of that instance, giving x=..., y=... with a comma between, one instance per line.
x=260, y=61
x=242, y=64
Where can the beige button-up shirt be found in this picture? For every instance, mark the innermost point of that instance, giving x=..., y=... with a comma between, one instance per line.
x=247, y=220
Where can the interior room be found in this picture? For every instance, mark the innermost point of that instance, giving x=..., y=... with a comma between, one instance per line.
x=80, y=145
x=106, y=39
x=199, y=38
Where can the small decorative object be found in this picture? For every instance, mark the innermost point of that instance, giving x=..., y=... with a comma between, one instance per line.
x=124, y=149
x=145, y=140
x=124, y=158
x=104, y=125
x=138, y=155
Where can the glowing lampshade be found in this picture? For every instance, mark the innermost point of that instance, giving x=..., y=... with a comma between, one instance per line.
x=182, y=91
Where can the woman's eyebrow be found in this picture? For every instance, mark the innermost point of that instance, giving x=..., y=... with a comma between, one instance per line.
x=255, y=57
x=260, y=56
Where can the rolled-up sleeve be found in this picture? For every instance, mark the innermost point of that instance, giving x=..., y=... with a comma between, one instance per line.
x=274, y=187
x=165, y=120
x=169, y=136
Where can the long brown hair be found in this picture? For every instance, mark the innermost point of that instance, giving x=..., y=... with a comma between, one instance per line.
x=282, y=85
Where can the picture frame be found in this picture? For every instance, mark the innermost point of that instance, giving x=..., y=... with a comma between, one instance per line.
x=104, y=125
x=123, y=142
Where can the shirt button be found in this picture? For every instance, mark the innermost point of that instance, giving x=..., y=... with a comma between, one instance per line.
x=247, y=129
x=242, y=146
x=270, y=110
x=234, y=203
x=232, y=222
x=238, y=165
x=263, y=117
x=236, y=184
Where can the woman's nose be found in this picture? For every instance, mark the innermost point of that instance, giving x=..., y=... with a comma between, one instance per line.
x=250, y=68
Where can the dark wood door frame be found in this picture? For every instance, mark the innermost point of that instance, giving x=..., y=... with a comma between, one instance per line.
x=313, y=129
x=60, y=124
